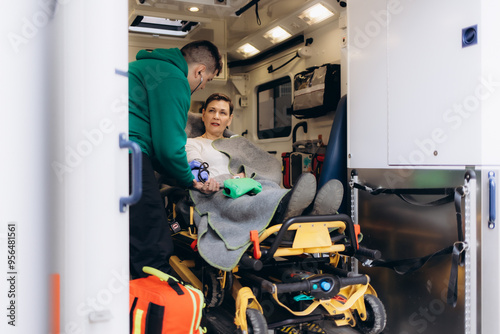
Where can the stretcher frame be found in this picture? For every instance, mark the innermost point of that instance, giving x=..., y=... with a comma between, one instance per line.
x=312, y=236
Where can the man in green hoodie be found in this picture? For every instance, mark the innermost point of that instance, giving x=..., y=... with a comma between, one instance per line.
x=160, y=86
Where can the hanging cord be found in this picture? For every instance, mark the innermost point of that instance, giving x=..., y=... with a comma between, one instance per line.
x=270, y=69
x=247, y=6
x=257, y=13
x=405, y=194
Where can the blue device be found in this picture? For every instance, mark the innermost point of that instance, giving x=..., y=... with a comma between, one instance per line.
x=199, y=170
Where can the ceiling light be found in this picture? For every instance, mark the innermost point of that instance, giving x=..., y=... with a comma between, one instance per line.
x=194, y=9
x=315, y=14
x=277, y=35
x=247, y=50
x=162, y=26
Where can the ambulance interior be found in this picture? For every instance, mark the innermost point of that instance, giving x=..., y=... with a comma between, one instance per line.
x=417, y=85
x=414, y=302
x=382, y=67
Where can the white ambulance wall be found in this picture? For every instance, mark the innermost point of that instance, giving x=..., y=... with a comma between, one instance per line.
x=372, y=102
x=25, y=220
x=490, y=55
x=326, y=49
x=420, y=101
x=89, y=170
x=432, y=85
x=137, y=42
x=489, y=265
x=367, y=77
x=490, y=275
x=63, y=172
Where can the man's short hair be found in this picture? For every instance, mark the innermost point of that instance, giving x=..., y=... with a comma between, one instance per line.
x=220, y=97
x=203, y=52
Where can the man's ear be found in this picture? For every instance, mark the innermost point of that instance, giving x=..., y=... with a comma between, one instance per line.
x=198, y=69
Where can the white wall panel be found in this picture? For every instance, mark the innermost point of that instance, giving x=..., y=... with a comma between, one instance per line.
x=490, y=253
x=434, y=111
x=25, y=198
x=367, y=84
x=90, y=109
x=417, y=98
x=490, y=55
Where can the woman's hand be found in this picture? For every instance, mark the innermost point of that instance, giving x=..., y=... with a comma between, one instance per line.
x=210, y=186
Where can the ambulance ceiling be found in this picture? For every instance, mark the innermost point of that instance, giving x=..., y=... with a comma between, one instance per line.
x=218, y=20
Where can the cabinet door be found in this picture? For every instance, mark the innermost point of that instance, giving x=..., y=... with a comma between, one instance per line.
x=435, y=87
x=89, y=170
x=25, y=198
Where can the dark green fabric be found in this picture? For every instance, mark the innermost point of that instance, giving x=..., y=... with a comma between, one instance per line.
x=159, y=100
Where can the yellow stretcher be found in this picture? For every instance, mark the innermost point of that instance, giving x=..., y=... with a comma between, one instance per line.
x=295, y=267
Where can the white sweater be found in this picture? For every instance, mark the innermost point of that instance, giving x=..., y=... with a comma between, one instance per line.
x=201, y=149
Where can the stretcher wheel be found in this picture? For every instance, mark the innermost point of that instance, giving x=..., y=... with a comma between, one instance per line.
x=375, y=316
x=256, y=322
x=212, y=287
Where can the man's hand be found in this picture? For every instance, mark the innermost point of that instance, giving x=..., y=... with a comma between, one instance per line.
x=210, y=186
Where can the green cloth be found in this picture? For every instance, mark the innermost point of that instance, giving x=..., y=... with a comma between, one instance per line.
x=159, y=100
x=235, y=188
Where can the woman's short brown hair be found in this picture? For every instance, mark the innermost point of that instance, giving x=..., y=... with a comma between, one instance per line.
x=219, y=97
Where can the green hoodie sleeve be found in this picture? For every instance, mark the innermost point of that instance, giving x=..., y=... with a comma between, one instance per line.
x=168, y=112
x=159, y=100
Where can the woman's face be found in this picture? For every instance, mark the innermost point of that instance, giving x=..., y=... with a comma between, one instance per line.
x=216, y=117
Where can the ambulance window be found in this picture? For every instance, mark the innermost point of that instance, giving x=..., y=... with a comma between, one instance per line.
x=274, y=99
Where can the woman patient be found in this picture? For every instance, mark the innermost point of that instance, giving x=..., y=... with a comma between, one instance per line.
x=219, y=216
x=217, y=115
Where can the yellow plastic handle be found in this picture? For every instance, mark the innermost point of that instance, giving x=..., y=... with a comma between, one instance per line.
x=160, y=274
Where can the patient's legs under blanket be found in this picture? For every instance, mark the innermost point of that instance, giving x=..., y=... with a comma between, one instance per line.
x=328, y=198
x=303, y=193
x=224, y=224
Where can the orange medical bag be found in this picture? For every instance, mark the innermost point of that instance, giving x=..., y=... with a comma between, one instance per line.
x=161, y=304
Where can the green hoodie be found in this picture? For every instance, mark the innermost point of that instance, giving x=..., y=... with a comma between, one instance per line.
x=159, y=100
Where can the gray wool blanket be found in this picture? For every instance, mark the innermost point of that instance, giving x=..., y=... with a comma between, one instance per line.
x=224, y=224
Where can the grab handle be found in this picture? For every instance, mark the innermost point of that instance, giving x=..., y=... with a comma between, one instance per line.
x=492, y=190
x=373, y=254
x=136, y=172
